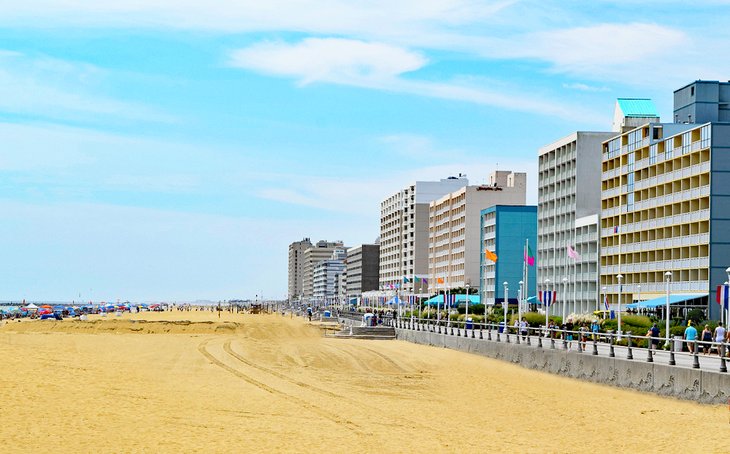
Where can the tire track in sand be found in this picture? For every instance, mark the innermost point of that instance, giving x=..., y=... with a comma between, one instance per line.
x=288, y=397
x=404, y=421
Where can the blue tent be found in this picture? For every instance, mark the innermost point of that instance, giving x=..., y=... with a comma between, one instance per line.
x=353, y=301
x=460, y=299
x=662, y=301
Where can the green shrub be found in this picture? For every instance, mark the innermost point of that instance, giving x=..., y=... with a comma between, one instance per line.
x=696, y=315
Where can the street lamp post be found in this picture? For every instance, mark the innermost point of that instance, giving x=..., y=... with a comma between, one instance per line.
x=505, y=302
x=668, y=276
x=466, y=311
x=620, y=289
x=565, y=300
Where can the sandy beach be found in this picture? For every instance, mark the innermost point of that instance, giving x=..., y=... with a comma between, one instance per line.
x=191, y=382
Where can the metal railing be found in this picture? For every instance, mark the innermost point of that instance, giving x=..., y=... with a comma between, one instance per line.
x=608, y=344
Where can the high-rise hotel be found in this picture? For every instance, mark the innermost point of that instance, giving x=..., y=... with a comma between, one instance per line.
x=404, y=230
x=665, y=203
x=454, y=228
x=569, y=200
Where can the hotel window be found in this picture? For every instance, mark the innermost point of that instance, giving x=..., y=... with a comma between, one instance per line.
x=630, y=201
x=705, y=136
x=631, y=162
x=686, y=142
x=652, y=153
x=630, y=182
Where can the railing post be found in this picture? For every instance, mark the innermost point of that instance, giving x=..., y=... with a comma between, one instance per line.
x=629, y=354
x=506, y=333
x=473, y=334
x=723, y=364
x=481, y=333
x=595, y=346
x=696, y=359
x=552, y=338
x=517, y=336
x=489, y=332
x=528, y=336
x=452, y=331
x=539, y=338
x=565, y=339
x=649, y=358
x=611, y=352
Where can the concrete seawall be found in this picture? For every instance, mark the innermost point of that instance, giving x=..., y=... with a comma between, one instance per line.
x=684, y=383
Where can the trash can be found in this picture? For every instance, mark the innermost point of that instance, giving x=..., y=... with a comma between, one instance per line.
x=501, y=327
x=469, y=323
x=678, y=344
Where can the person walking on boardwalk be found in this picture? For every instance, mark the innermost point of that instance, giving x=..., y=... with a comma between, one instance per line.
x=706, y=337
x=653, y=333
x=690, y=335
x=720, y=334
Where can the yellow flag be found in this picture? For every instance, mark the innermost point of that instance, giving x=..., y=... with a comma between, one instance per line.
x=439, y=280
x=490, y=255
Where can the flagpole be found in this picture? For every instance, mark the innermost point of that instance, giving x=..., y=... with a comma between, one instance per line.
x=524, y=277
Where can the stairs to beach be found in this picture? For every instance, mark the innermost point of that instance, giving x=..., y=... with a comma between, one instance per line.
x=367, y=332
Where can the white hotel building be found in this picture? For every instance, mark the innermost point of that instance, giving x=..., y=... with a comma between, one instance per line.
x=455, y=231
x=404, y=230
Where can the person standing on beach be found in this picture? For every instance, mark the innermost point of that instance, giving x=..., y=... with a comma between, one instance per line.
x=690, y=335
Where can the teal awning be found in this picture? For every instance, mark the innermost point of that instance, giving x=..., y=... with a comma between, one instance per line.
x=460, y=299
x=662, y=301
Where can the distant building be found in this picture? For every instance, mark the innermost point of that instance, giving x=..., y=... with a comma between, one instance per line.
x=404, y=230
x=454, y=232
x=325, y=277
x=312, y=256
x=363, y=263
x=296, y=268
x=505, y=231
x=569, y=201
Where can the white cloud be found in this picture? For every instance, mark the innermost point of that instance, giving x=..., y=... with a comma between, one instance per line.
x=585, y=87
x=373, y=18
x=58, y=89
x=378, y=66
x=336, y=60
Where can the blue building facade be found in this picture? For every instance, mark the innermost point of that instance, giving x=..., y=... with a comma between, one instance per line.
x=505, y=229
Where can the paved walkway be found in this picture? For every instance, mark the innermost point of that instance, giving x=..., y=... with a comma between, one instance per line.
x=682, y=359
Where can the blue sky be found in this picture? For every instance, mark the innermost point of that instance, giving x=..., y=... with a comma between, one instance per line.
x=171, y=150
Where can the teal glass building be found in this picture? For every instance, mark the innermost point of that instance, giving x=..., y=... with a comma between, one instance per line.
x=506, y=230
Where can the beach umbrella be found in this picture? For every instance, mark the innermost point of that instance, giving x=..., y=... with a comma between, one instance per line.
x=30, y=306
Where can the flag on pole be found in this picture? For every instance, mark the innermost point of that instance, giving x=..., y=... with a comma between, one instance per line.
x=573, y=254
x=547, y=297
x=723, y=296
x=490, y=255
x=439, y=280
x=529, y=257
x=406, y=280
x=615, y=229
